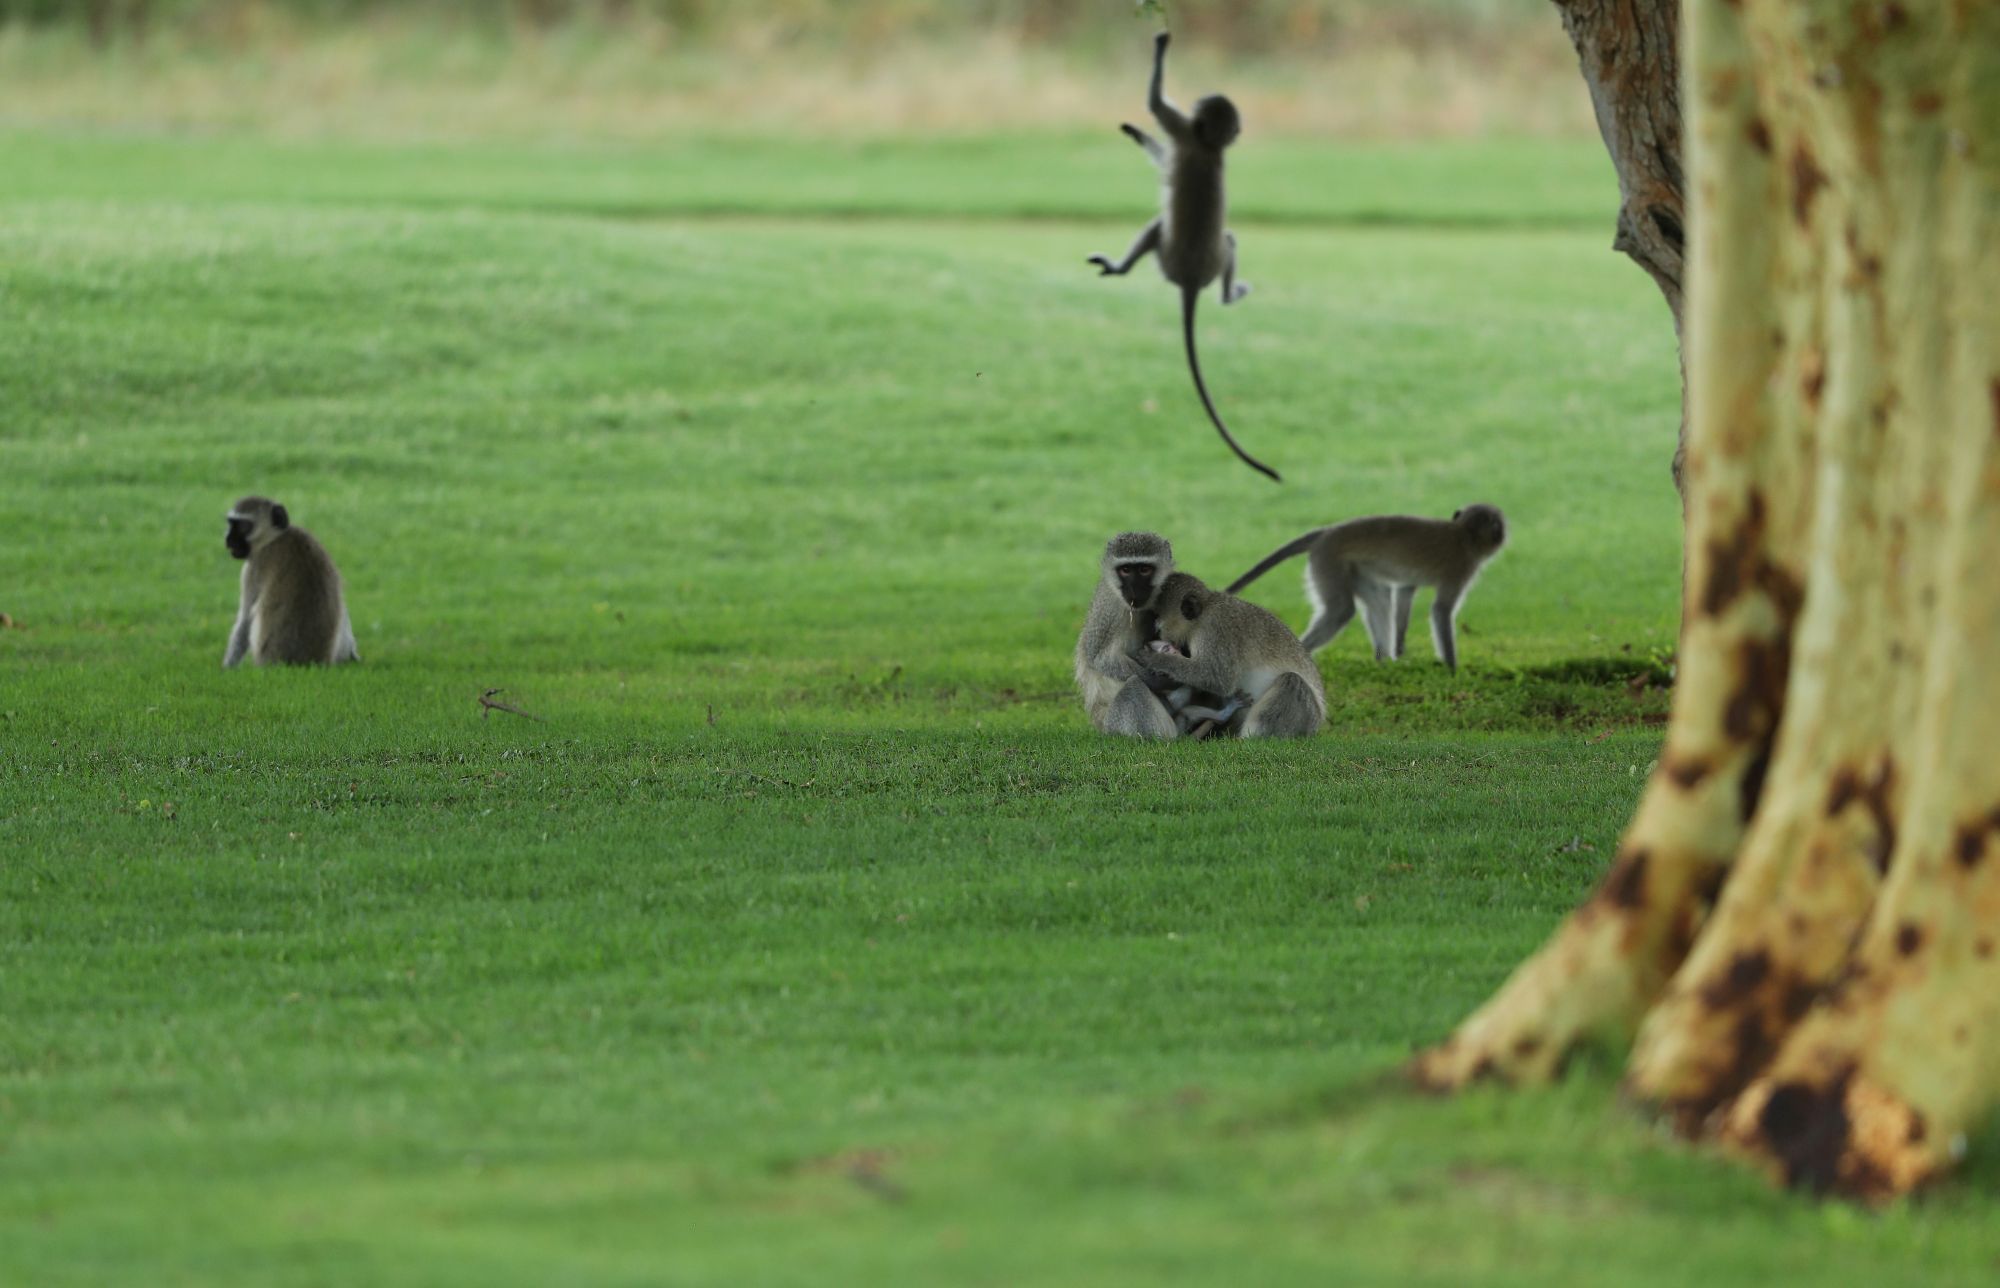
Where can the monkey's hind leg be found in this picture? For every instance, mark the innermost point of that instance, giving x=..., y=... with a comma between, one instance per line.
x=1288, y=709
x=1136, y=713
x=1378, y=611
x=1405, y=596
x=1232, y=290
x=1143, y=245
x=1330, y=588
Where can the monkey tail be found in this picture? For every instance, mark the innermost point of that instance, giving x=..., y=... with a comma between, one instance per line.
x=1291, y=549
x=1188, y=295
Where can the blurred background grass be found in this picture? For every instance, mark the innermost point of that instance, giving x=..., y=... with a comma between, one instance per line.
x=644, y=69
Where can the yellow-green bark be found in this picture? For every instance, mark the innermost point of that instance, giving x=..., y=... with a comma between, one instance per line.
x=1832, y=751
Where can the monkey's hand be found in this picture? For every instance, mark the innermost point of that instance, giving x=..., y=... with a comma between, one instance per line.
x=1162, y=40
x=1105, y=268
x=1133, y=133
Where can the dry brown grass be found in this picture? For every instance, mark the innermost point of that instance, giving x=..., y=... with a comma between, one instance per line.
x=638, y=81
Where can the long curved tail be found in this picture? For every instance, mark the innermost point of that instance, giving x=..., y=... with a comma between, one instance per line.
x=1188, y=295
x=1291, y=549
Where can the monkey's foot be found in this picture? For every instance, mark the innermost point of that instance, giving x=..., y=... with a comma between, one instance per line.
x=1202, y=730
x=1236, y=292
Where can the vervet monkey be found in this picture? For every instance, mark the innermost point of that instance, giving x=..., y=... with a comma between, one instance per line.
x=1378, y=563
x=1233, y=646
x=1189, y=235
x=291, y=611
x=1121, y=696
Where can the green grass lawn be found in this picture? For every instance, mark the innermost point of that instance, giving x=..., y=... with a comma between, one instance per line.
x=810, y=935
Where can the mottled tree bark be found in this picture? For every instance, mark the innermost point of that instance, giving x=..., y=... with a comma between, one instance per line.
x=1835, y=1014
x=1630, y=57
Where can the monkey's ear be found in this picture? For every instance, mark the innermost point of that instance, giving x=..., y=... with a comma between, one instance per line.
x=279, y=519
x=1455, y=514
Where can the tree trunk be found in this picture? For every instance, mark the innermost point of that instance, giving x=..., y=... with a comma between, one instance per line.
x=1834, y=1012
x=1629, y=53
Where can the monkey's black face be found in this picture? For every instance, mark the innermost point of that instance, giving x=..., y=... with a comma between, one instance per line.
x=1190, y=607
x=1135, y=583
x=238, y=539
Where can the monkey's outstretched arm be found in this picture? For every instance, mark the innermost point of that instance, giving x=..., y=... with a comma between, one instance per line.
x=1165, y=113
x=1144, y=244
x=1154, y=148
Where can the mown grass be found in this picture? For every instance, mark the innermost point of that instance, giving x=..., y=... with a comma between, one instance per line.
x=809, y=935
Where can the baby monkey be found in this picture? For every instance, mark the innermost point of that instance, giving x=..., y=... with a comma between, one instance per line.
x=1190, y=234
x=1377, y=564
x=1226, y=645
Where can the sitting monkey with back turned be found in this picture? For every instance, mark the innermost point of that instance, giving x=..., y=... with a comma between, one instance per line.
x=291, y=611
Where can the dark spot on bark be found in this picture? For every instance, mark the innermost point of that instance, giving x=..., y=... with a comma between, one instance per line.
x=1669, y=225
x=1971, y=847
x=1847, y=789
x=1797, y=999
x=1485, y=1069
x=1982, y=948
x=1752, y=711
x=1876, y=794
x=1926, y=102
x=1893, y=16
x=1812, y=378
x=1993, y=392
x=1686, y=773
x=1760, y=135
x=1625, y=884
x=1807, y=180
x=1909, y=938
x=1870, y=266
x=1526, y=1045
x=1807, y=1130
x=1732, y=563
x=1746, y=971
x=1787, y=596
x=1919, y=1129
x=1751, y=791
x=1850, y=974
x=1709, y=884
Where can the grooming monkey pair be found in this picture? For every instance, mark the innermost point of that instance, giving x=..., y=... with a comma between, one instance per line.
x=1161, y=652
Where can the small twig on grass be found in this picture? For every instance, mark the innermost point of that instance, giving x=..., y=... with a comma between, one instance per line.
x=765, y=778
x=487, y=706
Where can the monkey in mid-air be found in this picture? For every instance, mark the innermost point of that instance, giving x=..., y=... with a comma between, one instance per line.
x=1378, y=563
x=1189, y=235
x=1231, y=646
x=1121, y=696
x=292, y=611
